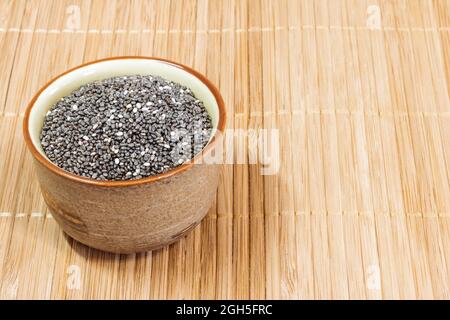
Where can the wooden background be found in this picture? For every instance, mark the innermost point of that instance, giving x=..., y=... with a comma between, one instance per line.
x=360, y=207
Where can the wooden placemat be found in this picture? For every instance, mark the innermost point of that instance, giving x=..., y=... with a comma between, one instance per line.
x=358, y=94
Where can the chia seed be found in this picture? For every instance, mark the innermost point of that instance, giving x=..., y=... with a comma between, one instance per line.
x=102, y=131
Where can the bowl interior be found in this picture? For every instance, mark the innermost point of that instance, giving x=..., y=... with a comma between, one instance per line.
x=71, y=81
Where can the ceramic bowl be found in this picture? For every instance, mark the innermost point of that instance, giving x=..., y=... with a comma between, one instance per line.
x=134, y=215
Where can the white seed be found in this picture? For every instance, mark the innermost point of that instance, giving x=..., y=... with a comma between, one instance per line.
x=119, y=134
x=116, y=161
x=74, y=107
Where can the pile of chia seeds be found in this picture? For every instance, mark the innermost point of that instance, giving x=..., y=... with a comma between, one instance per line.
x=125, y=128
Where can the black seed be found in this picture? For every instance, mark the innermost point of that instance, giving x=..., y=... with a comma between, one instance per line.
x=125, y=128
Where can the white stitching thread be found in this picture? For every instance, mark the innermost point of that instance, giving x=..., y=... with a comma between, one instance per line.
x=227, y=30
x=337, y=111
x=35, y=214
x=432, y=214
x=5, y=214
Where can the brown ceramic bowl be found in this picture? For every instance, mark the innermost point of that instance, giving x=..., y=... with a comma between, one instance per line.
x=134, y=215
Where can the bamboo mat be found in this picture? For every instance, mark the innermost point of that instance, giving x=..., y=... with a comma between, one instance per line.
x=359, y=93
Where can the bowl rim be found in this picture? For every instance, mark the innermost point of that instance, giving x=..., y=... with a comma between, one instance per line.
x=125, y=183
